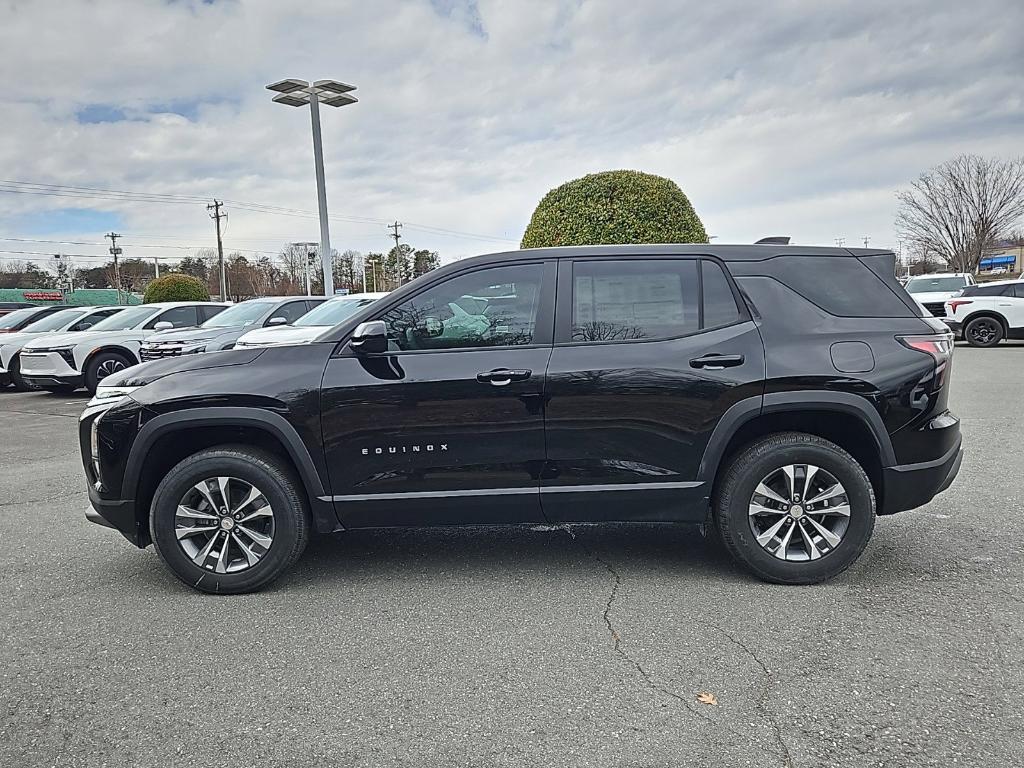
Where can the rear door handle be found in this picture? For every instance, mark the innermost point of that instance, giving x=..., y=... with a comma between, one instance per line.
x=714, y=362
x=501, y=377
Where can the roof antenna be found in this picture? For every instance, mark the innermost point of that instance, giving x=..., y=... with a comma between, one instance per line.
x=773, y=241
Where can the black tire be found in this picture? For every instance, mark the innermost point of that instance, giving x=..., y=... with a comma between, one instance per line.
x=101, y=365
x=736, y=487
x=984, y=332
x=15, y=373
x=274, y=480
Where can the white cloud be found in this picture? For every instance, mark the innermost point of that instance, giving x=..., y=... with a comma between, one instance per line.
x=795, y=117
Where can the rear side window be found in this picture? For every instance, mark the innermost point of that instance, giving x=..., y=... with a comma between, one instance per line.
x=206, y=312
x=988, y=290
x=840, y=285
x=719, y=303
x=634, y=300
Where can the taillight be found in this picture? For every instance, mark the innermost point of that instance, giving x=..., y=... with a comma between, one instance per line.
x=939, y=346
x=957, y=303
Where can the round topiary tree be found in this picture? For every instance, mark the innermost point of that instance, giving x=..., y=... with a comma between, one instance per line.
x=176, y=287
x=614, y=207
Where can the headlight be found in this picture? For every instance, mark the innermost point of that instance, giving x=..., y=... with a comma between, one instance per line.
x=191, y=349
x=110, y=395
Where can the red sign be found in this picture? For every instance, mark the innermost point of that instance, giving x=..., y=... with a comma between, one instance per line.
x=43, y=295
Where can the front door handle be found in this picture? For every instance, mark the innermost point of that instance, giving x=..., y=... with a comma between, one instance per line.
x=501, y=377
x=715, y=362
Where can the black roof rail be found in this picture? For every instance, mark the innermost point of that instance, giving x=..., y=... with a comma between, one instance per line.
x=773, y=241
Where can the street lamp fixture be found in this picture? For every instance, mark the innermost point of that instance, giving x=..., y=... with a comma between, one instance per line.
x=298, y=93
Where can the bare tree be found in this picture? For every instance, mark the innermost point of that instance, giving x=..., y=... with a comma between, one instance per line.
x=959, y=208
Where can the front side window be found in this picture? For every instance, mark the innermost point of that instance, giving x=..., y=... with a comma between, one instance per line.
x=634, y=300
x=291, y=311
x=494, y=307
x=178, y=317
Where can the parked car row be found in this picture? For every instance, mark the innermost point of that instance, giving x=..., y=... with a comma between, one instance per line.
x=980, y=314
x=61, y=349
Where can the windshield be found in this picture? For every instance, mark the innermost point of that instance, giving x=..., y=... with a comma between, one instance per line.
x=12, y=319
x=56, y=321
x=125, y=319
x=332, y=312
x=246, y=313
x=929, y=284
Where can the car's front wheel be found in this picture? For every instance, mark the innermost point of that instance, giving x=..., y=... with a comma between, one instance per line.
x=983, y=332
x=795, y=508
x=102, y=365
x=229, y=519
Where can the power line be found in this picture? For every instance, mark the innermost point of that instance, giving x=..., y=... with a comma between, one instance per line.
x=62, y=190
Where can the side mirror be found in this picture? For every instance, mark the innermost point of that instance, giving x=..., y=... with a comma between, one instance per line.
x=163, y=325
x=370, y=337
x=277, y=321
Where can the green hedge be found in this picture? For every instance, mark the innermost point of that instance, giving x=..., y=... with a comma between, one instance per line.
x=614, y=207
x=176, y=287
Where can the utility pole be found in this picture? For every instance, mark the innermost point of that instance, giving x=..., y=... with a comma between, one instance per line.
x=866, y=239
x=394, y=233
x=215, y=206
x=840, y=241
x=156, y=268
x=115, y=252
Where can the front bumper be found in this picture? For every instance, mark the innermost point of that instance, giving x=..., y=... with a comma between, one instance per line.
x=955, y=326
x=118, y=514
x=43, y=369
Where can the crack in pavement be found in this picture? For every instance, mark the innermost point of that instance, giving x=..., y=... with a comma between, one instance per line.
x=763, y=698
x=646, y=676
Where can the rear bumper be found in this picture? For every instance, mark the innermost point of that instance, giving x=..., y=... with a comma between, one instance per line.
x=909, y=486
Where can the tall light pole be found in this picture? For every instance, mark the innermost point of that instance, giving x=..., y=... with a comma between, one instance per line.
x=299, y=93
x=305, y=260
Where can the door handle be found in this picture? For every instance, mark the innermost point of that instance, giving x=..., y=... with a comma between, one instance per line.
x=716, y=362
x=501, y=377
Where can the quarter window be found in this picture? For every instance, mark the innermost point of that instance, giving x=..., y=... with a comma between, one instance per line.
x=719, y=303
x=494, y=307
x=634, y=300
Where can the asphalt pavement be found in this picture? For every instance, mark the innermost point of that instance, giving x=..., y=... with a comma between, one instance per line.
x=519, y=647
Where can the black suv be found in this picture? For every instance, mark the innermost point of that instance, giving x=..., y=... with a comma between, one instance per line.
x=785, y=395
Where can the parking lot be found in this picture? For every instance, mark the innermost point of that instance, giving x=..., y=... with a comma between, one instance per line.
x=519, y=646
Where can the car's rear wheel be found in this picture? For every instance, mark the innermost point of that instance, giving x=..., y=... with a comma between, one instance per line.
x=229, y=520
x=102, y=365
x=795, y=508
x=983, y=332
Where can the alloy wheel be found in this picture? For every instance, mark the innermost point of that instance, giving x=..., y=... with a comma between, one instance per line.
x=224, y=524
x=108, y=367
x=983, y=331
x=799, y=512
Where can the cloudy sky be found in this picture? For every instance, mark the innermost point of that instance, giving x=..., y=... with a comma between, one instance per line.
x=797, y=117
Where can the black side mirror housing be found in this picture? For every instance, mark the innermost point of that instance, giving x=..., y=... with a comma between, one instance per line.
x=370, y=337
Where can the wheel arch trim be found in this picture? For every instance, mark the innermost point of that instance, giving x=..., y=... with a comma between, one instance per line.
x=233, y=416
x=132, y=357
x=780, y=402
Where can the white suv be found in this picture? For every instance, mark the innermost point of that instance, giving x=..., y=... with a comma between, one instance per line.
x=986, y=314
x=933, y=291
x=71, y=360
x=70, y=320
